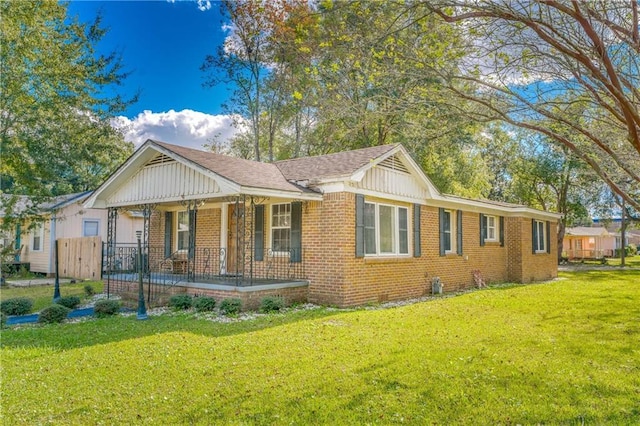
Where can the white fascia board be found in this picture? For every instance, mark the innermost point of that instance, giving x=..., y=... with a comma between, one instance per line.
x=486, y=208
x=274, y=193
x=342, y=187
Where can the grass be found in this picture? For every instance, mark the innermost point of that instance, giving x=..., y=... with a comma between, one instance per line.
x=564, y=352
x=42, y=295
x=632, y=261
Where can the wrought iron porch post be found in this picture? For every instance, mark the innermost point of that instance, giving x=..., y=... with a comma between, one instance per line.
x=112, y=219
x=192, y=211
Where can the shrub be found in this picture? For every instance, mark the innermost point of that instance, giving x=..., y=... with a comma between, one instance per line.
x=16, y=306
x=180, y=301
x=3, y=319
x=89, y=290
x=230, y=306
x=53, y=314
x=204, y=304
x=70, y=302
x=632, y=250
x=106, y=308
x=271, y=304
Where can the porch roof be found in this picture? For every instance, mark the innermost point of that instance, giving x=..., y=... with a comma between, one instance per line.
x=159, y=172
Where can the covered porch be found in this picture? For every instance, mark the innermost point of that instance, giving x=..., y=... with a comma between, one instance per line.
x=202, y=232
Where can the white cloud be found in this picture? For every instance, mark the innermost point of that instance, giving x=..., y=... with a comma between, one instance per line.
x=188, y=128
x=203, y=5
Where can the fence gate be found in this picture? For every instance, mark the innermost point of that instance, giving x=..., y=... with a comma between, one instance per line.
x=80, y=257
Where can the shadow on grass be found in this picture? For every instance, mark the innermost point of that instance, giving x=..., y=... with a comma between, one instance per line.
x=109, y=330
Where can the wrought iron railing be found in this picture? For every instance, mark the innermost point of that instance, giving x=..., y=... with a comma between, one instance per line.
x=210, y=265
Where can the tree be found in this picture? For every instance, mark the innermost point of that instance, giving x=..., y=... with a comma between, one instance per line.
x=56, y=103
x=526, y=54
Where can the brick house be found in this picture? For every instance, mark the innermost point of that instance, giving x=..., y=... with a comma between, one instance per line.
x=343, y=229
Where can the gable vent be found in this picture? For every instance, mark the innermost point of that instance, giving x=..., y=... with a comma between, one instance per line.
x=394, y=163
x=160, y=159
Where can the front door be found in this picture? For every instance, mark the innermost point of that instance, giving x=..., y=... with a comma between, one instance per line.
x=235, y=233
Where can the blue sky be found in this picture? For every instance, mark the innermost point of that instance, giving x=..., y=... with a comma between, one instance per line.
x=164, y=43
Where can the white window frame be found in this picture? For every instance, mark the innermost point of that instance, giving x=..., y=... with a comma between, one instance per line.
x=395, y=251
x=280, y=226
x=84, y=231
x=178, y=231
x=542, y=232
x=492, y=228
x=452, y=231
x=37, y=232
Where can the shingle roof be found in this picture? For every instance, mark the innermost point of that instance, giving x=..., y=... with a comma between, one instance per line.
x=243, y=172
x=330, y=165
x=584, y=231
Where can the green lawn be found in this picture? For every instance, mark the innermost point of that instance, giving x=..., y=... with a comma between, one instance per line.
x=42, y=295
x=564, y=352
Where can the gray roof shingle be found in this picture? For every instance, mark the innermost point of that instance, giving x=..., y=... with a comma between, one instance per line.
x=330, y=165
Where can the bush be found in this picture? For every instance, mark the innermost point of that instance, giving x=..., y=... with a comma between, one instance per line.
x=3, y=319
x=70, y=302
x=204, y=304
x=230, y=306
x=180, y=301
x=89, y=290
x=632, y=250
x=271, y=304
x=16, y=306
x=53, y=314
x=106, y=308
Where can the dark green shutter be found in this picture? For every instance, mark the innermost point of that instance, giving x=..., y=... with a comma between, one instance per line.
x=459, y=232
x=441, y=220
x=501, y=231
x=534, y=235
x=359, y=225
x=417, y=248
x=482, y=229
x=168, y=233
x=296, y=232
x=258, y=232
x=548, y=241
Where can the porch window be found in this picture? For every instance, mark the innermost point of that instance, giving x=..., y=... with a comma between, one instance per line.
x=183, y=230
x=281, y=227
x=37, y=235
x=90, y=227
x=385, y=229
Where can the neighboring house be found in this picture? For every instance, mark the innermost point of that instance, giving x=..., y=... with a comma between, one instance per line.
x=65, y=217
x=344, y=229
x=632, y=233
x=584, y=242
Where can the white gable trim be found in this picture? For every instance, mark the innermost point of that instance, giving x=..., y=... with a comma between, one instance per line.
x=130, y=168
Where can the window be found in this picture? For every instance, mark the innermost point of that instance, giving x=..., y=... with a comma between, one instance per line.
x=450, y=228
x=281, y=227
x=447, y=231
x=90, y=227
x=491, y=227
x=37, y=237
x=183, y=230
x=385, y=229
x=539, y=236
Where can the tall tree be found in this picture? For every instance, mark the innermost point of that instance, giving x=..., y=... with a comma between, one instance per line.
x=56, y=102
x=525, y=54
